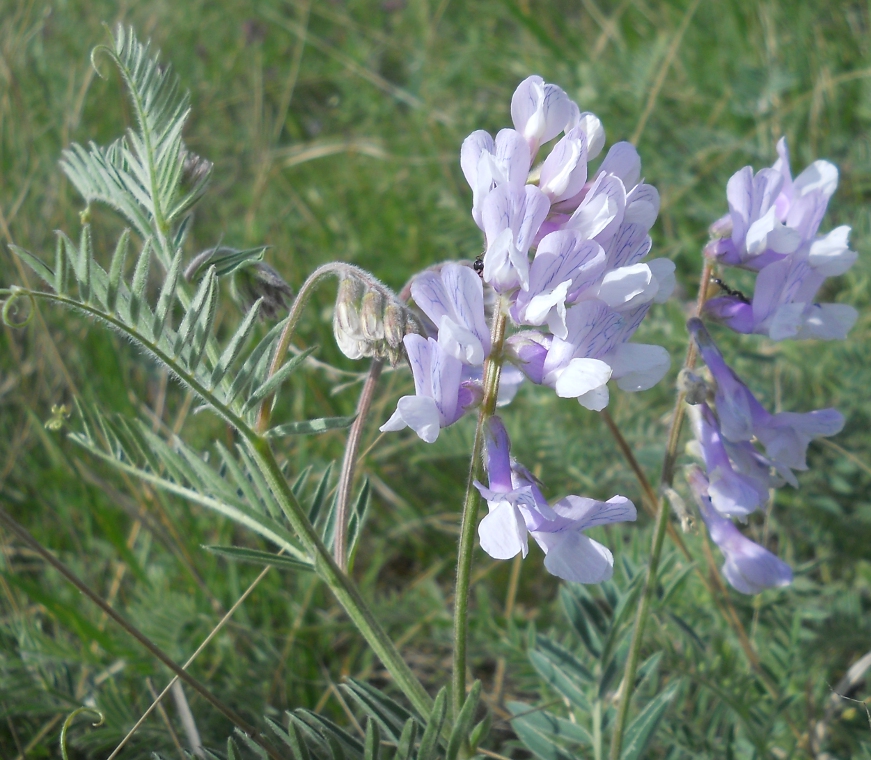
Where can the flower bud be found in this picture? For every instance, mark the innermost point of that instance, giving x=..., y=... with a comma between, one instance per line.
x=695, y=388
x=259, y=280
x=370, y=321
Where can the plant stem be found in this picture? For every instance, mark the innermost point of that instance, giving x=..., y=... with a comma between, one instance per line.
x=194, y=683
x=346, y=477
x=659, y=529
x=344, y=589
x=492, y=372
x=287, y=333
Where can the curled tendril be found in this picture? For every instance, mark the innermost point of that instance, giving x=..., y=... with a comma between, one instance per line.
x=7, y=308
x=68, y=722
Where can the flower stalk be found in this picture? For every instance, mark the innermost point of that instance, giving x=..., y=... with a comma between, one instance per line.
x=659, y=530
x=471, y=505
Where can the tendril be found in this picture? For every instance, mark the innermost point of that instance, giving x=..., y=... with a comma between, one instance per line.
x=7, y=309
x=68, y=722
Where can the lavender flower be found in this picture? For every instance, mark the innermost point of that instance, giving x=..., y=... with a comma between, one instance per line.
x=749, y=567
x=772, y=228
x=785, y=435
x=440, y=396
x=518, y=508
x=453, y=298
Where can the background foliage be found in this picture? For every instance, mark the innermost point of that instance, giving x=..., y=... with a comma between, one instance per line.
x=335, y=130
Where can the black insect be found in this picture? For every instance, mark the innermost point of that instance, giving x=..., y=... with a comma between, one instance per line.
x=730, y=291
x=478, y=265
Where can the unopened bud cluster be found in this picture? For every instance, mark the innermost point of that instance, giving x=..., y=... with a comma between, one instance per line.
x=370, y=321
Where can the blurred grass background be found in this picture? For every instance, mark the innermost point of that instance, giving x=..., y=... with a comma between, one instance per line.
x=335, y=130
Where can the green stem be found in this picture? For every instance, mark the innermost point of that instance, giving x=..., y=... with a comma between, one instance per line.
x=660, y=527
x=296, y=310
x=343, y=588
x=492, y=372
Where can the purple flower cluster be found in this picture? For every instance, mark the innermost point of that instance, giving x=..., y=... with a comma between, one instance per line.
x=730, y=437
x=563, y=261
x=580, y=296
x=772, y=228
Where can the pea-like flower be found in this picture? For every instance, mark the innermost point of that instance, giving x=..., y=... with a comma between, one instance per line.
x=518, y=509
x=749, y=567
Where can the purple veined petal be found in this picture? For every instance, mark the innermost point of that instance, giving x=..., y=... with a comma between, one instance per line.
x=595, y=400
x=735, y=402
x=498, y=449
x=787, y=435
x=769, y=289
x=739, y=193
x=642, y=206
x=446, y=377
x=473, y=147
x=736, y=314
x=502, y=533
x=512, y=156
x=628, y=287
x=638, y=366
x=628, y=246
x=767, y=233
x=572, y=556
x=535, y=210
x=421, y=414
x=509, y=383
x=766, y=188
x=460, y=342
x=624, y=162
x=811, y=191
x=592, y=127
x=466, y=294
x=663, y=273
x=600, y=214
x=783, y=200
x=564, y=172
x=419, y=350
x=828, y=321
x=785, y=322
x=830, y=254
x=580, y=377
x=749, y=567
x=429, y=293
x=540, y=111
x=588, y=513
x=528, y=351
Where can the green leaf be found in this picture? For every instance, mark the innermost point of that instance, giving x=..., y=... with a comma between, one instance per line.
x=429, y=740
x=236, y=344
x=461, y=729
x=372, y=742
x=391, y=716
x=167, y=296
x=37, y=265
x=641, y=729
x=405, y=747
x=140, y=283
x=578, y=618
x=562, y=671
x=544, y=734
x=310, y=427
x=202, y=301
x=61, y=267
x=273, y=382
x=292, y=738
x=359, y=510
x=257, y=557
x=320, y=495
x=116, y=269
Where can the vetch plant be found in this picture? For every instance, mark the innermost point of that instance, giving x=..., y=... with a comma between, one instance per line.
x=555, y=299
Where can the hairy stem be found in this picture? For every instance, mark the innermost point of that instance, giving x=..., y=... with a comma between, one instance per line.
x=662, y=523
x=343, y=588
x=194, y=683
x=492, y=372
x=296, y=310
x=346, y=477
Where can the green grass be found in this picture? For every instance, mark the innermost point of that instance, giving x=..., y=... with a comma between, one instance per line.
x=335, y=133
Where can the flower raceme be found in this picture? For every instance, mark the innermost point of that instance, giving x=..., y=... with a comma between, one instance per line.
x=581, y=294
x=518, y=509
x=772, y=228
